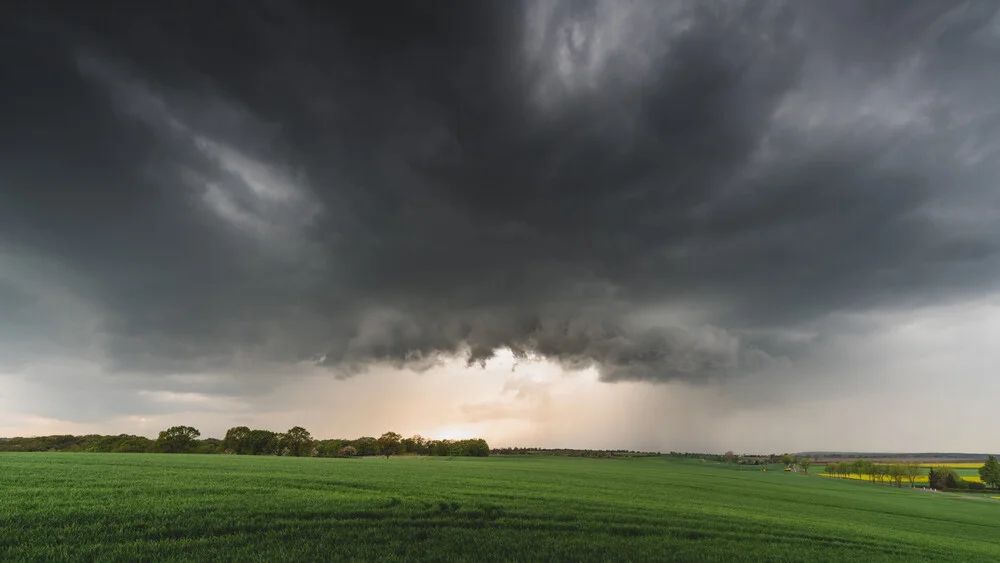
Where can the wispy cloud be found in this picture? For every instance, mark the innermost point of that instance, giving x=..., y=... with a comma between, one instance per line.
x=263, y=201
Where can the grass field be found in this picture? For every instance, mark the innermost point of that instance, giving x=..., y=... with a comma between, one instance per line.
x=131, y=507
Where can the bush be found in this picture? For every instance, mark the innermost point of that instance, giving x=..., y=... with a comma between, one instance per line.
x=946, y=478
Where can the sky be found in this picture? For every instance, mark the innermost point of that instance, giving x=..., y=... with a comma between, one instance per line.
x=757, y=226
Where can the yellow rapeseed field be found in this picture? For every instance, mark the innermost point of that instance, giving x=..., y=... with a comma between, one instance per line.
x=918, y=479
x=955, y=465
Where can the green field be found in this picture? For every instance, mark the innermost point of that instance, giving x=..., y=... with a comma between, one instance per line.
x=128, y=507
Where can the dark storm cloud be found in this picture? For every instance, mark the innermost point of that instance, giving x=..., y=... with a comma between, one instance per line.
x=392, y=182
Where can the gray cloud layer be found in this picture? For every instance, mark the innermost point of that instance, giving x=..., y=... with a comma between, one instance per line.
x=664, y=190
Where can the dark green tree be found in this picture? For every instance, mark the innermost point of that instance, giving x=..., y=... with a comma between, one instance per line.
x=329, y=448
x=414, y=445
x=177, y=439
x=388, y=444
x=477, y=448
x=365, y=446
x=297, y=442
x=262, y=442
x=945, y=478
x=135, y=444
x=236, y=440
x=442, y=448
x=208, y=446
x=990, y=472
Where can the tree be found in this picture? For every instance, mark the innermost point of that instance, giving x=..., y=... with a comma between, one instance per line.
x=208, y=446
x=896, y=473
x=990, y=472
x=477, y=447
x=388, y=444
x=329, y=448
x=945, y=478
x=441, y=448
x=844, y=469
x=366, y=445
x=868, y=468
x=236, y=440
x=134, y=444
x=787, y=459
x=933, y=479
x=408, y=446
x=857, y=467
x=177, y=439
x=911, y=471
x=804, y=463
x=880, y=471
x=297, y=442
x=415, y=444
x=262, y=442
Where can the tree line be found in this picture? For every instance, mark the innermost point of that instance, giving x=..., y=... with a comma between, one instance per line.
x=894, y=473
x=571, y=452
x=940, y=477
x=242, y=440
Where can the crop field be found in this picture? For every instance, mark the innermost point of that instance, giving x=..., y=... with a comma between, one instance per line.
x=963, y=465
x=921, y=479
x=128, y=507
x=968, y=472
